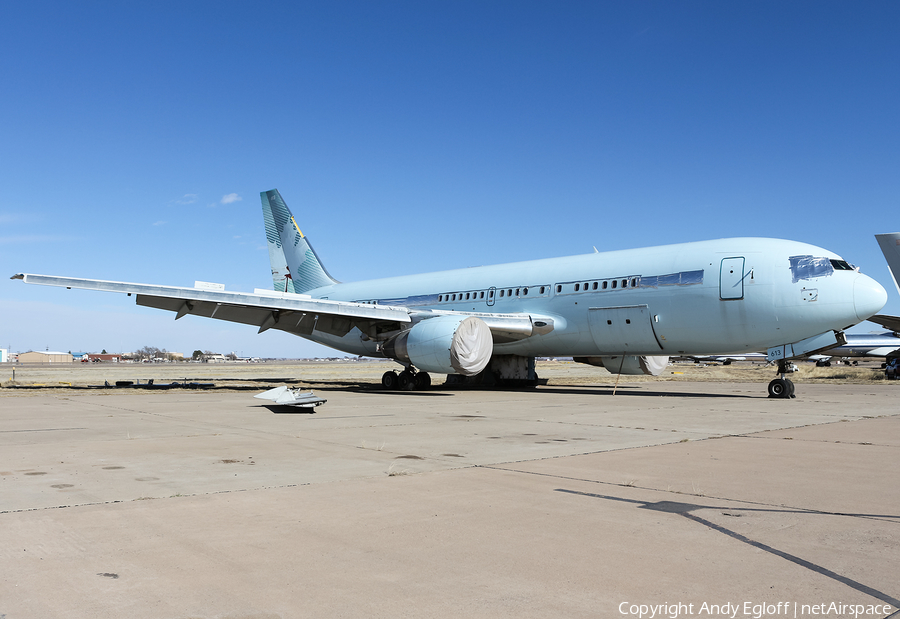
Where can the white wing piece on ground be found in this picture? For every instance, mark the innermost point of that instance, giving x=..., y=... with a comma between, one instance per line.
x=285, y=396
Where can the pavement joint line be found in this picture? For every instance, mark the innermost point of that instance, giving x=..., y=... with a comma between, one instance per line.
x=242, y=428
x=810, y=440
x=774, y=508
x=152, y=498
x=41, y=430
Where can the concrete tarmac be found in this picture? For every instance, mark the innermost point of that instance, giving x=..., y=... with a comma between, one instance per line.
x=555, y=502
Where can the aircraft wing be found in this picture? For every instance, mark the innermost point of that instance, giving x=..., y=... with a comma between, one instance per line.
x=294, y=313
x=888, y=322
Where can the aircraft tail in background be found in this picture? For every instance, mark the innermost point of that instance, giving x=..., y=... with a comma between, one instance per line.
x=295, y=265
x=890, y=247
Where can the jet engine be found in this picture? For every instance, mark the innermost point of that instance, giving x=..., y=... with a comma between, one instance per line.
x=444, y=345
x=631, y=364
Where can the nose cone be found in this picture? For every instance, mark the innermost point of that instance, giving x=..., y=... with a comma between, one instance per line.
x=868, y=297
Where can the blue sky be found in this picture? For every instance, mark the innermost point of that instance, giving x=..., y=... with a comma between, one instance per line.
x=416, y=136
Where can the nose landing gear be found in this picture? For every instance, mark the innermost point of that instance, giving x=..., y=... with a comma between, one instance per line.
x=782, y=387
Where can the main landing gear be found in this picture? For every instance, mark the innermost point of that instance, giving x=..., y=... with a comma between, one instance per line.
x=407, y=380
x=782, y=387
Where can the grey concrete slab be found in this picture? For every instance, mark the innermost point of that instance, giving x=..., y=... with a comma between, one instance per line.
x=553, y=502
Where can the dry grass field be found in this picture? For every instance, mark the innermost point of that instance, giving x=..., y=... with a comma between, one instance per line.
x=20, y=379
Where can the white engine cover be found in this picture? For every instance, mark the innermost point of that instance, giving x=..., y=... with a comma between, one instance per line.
x=446, y=345
x=631, y=364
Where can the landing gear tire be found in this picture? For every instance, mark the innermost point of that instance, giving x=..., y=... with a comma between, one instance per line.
x=422, y=380
x=781, y=388
x=406, y=381
x=389, y=380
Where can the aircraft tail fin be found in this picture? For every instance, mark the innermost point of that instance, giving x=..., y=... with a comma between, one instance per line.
x=295, y=265
x=890, y=247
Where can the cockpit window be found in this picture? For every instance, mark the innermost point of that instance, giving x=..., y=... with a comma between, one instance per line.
x=842, y=265
x=808, y=267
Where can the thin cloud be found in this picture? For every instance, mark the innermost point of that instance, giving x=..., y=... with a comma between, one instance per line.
x=188, y=198
x=231, y=197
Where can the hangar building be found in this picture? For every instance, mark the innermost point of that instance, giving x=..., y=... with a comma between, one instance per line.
x=49, y=356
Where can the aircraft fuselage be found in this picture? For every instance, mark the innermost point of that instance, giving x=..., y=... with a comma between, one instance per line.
x=721, y=296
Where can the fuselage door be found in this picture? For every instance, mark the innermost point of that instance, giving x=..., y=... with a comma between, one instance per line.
x=624, y=329
x=731, y=279
x=492, y=292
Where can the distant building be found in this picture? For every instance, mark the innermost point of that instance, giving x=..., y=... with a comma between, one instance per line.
x=97, y=357
x=4, y=355
x=40, y=356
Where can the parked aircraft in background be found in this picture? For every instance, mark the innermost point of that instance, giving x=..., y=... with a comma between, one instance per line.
x=866, y=345
x=627, y=310
x=890, y=247
x=858, y=345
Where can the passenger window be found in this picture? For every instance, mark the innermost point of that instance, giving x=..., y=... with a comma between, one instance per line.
x=624, y=283
x=490, y=294
x=482, y=294
x=467, y=296
x=440, y=298
x=614, y=283
x=454, y=297
x=509, y=292
x=594, y=286
x=542, y=290
x=524, y=291
x=501, y=292
x=558, y=288
x=634, y=282
x=585, y=286
x=605, y=285
x=576, y=287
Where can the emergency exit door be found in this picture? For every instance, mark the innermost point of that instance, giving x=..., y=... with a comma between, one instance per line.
x=731, y=278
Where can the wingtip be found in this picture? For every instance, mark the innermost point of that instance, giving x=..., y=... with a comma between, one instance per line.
x=18, y=276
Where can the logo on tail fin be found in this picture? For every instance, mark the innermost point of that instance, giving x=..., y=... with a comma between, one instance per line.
x=295, y=265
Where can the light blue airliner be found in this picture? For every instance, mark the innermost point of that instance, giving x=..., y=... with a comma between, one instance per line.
x=625, y=310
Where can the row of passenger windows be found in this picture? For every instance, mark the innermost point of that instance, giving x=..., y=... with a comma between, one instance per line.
x=607, y=284
x=489, y=294
x=524, y=291
x=465, y=296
